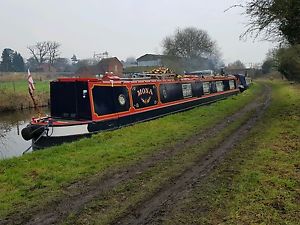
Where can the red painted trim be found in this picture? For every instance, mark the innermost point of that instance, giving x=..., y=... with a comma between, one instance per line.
x=160, y=105
x=62, y=123
x=167, y=80
x=129, y=84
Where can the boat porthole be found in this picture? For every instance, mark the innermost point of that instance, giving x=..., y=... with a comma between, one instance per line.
x=122, y=99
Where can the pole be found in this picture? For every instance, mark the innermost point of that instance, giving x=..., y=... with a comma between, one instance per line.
x=14, y=86
x=33, y=99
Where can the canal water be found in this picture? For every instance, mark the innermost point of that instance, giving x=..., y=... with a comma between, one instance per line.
x=11, y=123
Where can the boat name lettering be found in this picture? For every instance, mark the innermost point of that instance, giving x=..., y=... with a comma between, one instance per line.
x=143, y=91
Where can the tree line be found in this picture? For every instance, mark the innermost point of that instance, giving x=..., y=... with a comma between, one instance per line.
x=187, y=49
x=42, y=53
x=197, y=48
x=277, y=21
x=12, y=61
x=273, y=20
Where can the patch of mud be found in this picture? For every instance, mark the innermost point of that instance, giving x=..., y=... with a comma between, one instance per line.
x=79, y=194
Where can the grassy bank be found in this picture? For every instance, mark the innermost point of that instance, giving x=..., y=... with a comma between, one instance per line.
x=125, y=197
x=14, y=94
x=259, y=182
x=46, y=173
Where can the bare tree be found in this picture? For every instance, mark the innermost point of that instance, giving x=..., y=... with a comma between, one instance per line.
x=274, y=20
x=53, y=51
x=45, y=51
x=236, y=65
x=130, y=60
x=189, y=43
x=39, y=51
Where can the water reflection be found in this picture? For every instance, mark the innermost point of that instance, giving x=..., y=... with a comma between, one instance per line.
x=11, y=124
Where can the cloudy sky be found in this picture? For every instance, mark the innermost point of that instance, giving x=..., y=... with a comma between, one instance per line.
x=123, y=27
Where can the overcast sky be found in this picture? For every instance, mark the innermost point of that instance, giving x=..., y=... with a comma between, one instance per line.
x=123, y=27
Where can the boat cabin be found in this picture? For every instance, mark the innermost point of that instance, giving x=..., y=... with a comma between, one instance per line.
x=97, y=99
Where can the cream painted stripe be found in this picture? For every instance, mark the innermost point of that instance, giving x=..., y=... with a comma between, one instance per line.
x=68, y=130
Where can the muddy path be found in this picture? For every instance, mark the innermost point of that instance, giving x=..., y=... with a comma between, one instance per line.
x=154, y=209
x=79, y=194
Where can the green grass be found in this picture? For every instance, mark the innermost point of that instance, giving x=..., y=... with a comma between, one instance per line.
x=21, y=86
x=14, y=94
x=45, y=173
x=121, y=199
x=259, y=183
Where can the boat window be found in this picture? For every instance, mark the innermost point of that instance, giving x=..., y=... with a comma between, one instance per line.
x=213, y=87
x=226, y=85
x=83, y=101
x=108, y=100
x=144, y=96
x=206, y=88
x=187, y=90
x=231, y=84
x=219, y=85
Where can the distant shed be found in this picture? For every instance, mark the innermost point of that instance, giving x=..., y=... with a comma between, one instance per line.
x=150, y=60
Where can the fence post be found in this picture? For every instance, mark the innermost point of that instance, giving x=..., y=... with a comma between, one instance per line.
x=14, y=86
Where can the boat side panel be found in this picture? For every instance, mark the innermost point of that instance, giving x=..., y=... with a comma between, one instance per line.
x=144, y=96
x=109, y=100
x=70, y=100
x=155, y=95
x=152, y=114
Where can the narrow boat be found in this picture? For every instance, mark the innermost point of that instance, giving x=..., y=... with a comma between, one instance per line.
x=84, y=106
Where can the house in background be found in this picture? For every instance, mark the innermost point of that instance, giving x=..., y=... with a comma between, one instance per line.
x=111, y=65
x=150, y=60
x=106, y=65
x=175, y=63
